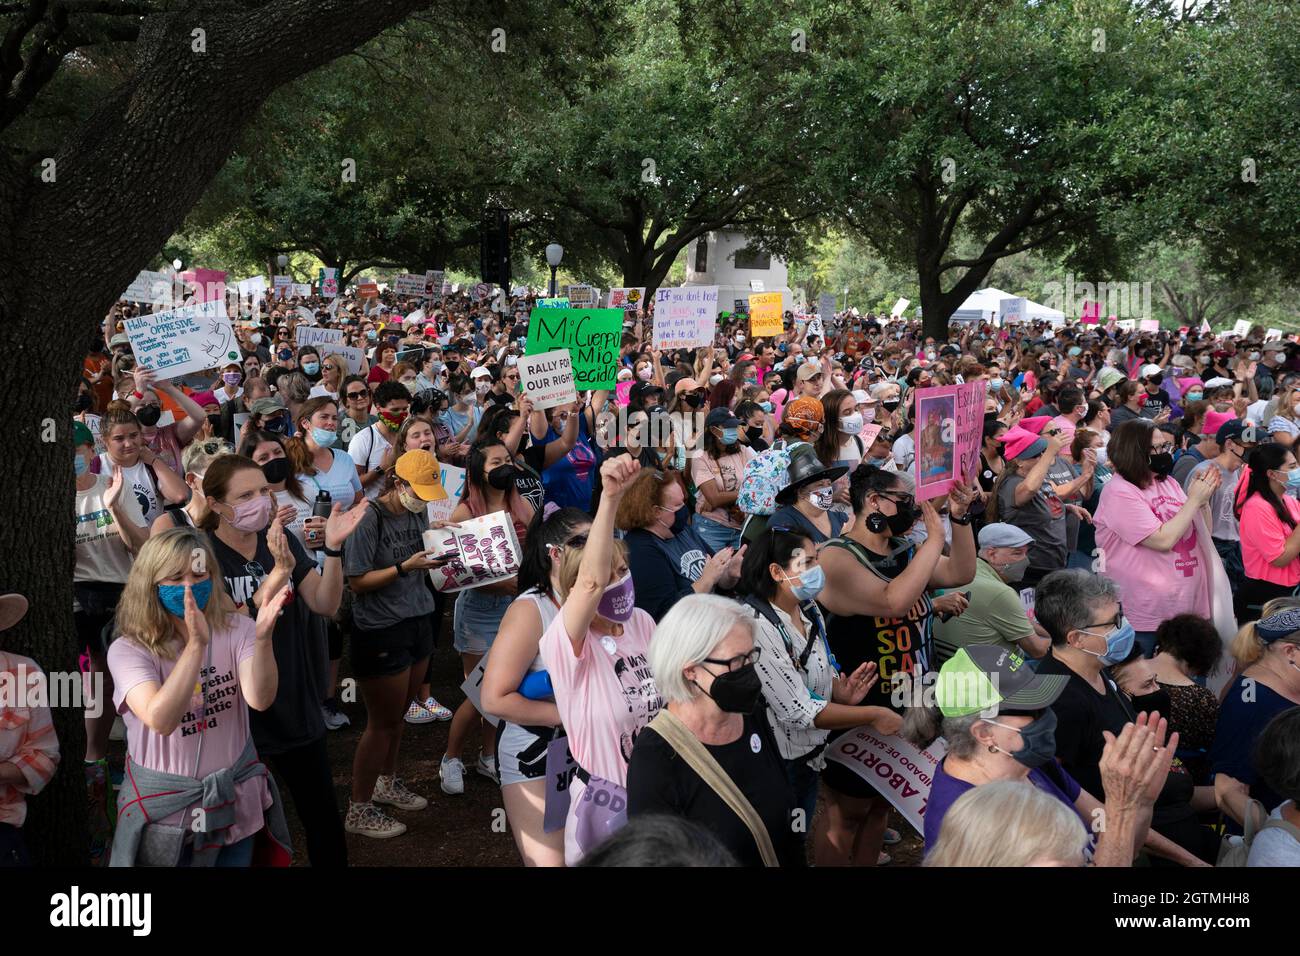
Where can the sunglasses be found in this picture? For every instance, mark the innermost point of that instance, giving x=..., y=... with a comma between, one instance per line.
x=355, y=396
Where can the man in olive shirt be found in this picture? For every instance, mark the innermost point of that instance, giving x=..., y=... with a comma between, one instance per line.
x=995, y=614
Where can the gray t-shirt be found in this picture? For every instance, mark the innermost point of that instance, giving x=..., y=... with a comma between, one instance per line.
x=381, y=540
x=1274, y=846
x=1224, y=520
x=1042, y=517
x=1062, y=473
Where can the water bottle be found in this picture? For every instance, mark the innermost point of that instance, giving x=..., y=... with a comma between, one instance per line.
x=323, y=506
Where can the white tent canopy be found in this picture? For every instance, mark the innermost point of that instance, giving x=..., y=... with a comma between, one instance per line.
x=984, y=304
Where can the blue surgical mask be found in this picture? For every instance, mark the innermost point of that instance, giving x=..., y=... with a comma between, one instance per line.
x=766, y=406
x=311, y=368
x=810, y=583
x=79, y=465
x=173, y=596
x=730, y=436
x=1039, y=738
x=995, y=384
x=1119, y=643
x=1293, y=479
x=323, y=437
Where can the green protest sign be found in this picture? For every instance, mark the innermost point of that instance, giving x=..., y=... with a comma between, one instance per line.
x=592, y=337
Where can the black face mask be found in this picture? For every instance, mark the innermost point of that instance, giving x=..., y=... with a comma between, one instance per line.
x=1161, y=465
x=890, y=406
x=753, y=434
x=215, y=422
x=902, y=522
x=694, y=401
x=276, y=426
x=148, y=415
x=502, y=477
x=83, y=403
x=276, y=470
x=738, y=691
x=1155, y=701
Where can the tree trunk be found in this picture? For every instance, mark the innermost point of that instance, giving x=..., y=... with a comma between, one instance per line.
x=72, y=245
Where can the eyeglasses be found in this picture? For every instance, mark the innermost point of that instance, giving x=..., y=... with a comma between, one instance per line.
x=737, y=662
x=1162, y=448
x=354, y=396
x=903, y=501
x=1115, y=623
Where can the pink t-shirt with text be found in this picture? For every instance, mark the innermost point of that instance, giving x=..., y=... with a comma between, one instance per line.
x=224, y=733
x=1263, y=536
x=1154, y=585
x=606, y=696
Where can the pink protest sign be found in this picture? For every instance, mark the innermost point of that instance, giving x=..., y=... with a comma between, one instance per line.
x=949, y=425
x=208, y=284
x=1091, y=313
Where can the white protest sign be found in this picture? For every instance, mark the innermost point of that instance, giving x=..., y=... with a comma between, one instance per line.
x=453, y=482
x=1242, y=327
x=899, y=308
x=329, y=283
x=306, y=314
x=314, y=335
x=254, y=286
x=686, y=317
x=547, y=378
x=626, y=297
x=581, y=296
x=409, y=284
x=756, y=285
x=354, y=357
x=487, y=550
x=472, y=688
x=1149, y=325
x=892, y=766
x=281, y=284
x=1013, y=310
x=300, y=289
x=189, y=339
x=1273, y=335
x=815, y=328
x=1126, y=324
x=155, y=287
x=826, y=306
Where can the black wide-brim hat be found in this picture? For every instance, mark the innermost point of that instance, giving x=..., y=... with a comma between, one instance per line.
x=805, y=468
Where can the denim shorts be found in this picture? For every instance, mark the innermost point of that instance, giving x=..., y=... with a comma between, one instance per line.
x=477, y=620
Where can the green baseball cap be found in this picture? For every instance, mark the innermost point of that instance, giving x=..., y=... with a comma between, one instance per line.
x=81, y=435
x=987, y=677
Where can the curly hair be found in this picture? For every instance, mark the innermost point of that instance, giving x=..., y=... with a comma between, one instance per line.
x=637, y=507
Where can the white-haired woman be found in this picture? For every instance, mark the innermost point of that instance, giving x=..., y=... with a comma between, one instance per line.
x=704, y=657
x=186, y=668
x=1009, y=823
x=596, y=651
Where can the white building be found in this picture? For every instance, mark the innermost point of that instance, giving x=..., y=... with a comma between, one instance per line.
x=723, y=258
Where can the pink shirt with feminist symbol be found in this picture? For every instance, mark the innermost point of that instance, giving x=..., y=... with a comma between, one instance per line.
x=1154, y=585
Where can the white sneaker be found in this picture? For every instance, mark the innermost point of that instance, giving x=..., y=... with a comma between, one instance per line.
x=452, y=773
x=417, y=714
x=394, y=793
x=487, y=766
x=438, y=711
x=365, y=819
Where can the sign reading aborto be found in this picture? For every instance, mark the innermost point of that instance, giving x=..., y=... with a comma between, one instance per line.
x=592, y=337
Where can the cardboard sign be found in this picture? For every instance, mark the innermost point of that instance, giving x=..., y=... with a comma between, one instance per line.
x=472, y=688
x=686, y=317
x=627, y=298
x=547, y=378
x=153, y=287
x=592, y=336
x=826, y=306
x=329, y=283
x=1013, y=310
x=560, y=302
x=368, y=290
x=581, y=296
x=1242, y=327
x=899, y=308
x=453, y=482
x=487, y=550
x=949, y=427
x=765, y=314
x=1027, y=601
x=189, y=339
x=313, y=335
x=892, y=766
x=1149, y=325
x=409, y=285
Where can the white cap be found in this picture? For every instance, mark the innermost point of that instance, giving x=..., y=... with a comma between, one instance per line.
x=1218, y=382
x=862, y=398
x=1148, y=370
x=480, y=371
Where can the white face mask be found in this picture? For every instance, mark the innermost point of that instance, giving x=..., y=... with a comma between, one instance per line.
x=481, y=386
x=823, y=499
x=645, y=374
x=851, y=424
x=868, y=413
x=715, y=379
x=256, y=338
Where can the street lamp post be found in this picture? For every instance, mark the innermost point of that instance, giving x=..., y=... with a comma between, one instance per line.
x=554, y=253
x=282, y=260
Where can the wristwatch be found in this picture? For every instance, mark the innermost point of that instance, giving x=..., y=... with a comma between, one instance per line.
x=332, y=553
x=963, y=520
x=401, y=571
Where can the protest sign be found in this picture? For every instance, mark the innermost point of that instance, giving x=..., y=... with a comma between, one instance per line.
x=208, y=284
x=306, y=314
x=755, y=285
x=408, y=285
x=154, y=287
x=1242, y=327
x=686, y=317
x=1091, y=313
x=311, y=335
x=899, y=308
x=300, y=289
x=902, y=772
x=189, y=339
x=826, y=306
x=547, y=378
x=1013, y=310
x=626, y=298
x=368, y=290
x=254, y=286
x=472, y=688
x=354, y=357
x=561, y=768
x=1273, y=335
x=765, y=314
x=486, y=550
x=949, y=427
x=433, y=286
x=868, y=435
x=329, y=283
x=1205, y=327
x=581, y=296
x=1125, y=324
x=816, y=328
x=281, y=285
x=453, y=482
x=1149, y=325
x=559, y=302
x=592, y=337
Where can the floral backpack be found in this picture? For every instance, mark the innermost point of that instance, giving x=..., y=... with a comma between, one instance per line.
x=765, y=474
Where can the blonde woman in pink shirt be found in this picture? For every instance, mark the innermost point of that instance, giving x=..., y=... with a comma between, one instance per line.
x=597, y=654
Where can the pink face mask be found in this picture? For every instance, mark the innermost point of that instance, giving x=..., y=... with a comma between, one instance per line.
x=619, y=600
x=252, y=515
